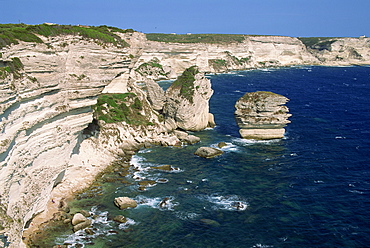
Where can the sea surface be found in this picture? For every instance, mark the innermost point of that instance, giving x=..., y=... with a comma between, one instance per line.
x=309, y=189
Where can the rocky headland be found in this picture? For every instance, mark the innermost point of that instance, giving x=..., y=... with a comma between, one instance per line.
x=72, y=102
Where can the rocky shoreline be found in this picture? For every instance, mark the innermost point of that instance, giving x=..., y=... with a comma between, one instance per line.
x=57, y=215
x=48, y=89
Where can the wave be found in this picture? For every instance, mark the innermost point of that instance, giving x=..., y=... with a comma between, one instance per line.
x=247, y=142
x=161, y=203
x=187, y=216
x=229, y=147
x=101, y=226
x=229, y=202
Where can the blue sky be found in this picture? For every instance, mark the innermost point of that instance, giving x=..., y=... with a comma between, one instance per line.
x=349, y=18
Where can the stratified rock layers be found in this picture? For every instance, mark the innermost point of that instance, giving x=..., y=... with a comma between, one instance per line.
x=187, y=101
x=262, y=115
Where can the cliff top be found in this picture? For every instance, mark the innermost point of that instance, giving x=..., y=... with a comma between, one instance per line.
x=13, y=33
x=201, y=38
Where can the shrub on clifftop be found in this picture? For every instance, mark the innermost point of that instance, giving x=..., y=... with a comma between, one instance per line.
x=186, y=83
x=125, y=107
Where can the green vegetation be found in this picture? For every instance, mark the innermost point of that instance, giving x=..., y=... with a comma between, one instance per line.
x=125, y=107
x=13, y=33
x=258, y=96
x=12, y=67
x=185, y=83
x=147, y=69
x=218, y=64
x=222, y=64
x=197, y=38
x=318, y=43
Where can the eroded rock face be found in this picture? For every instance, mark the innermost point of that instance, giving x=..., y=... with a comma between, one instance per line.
x=262, y=115
x=187, y=100
x=156, y=95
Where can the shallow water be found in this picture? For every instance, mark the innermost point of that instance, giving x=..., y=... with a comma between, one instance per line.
x=310, y=189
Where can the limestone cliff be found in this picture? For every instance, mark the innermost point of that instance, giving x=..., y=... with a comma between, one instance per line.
x=175, y=55
x=262, y=115
x=45, y=106
x=187, y=100
x=52, y=76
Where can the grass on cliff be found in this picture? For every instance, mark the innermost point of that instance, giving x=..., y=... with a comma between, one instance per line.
x=150, y=67
x=197, y=38
x=11, y=67
x=125, y=107
x=13, y=33
x=185, y=83
x=318, y=43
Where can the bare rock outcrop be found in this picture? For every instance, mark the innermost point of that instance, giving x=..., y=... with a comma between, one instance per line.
x=187, y=100
x=156, y=95
x=262, y=115
x=125, y=202
x=208, y=152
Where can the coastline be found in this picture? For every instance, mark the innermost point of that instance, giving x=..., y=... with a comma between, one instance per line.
x=35, y=155
x=83, y=171
x=78, y=178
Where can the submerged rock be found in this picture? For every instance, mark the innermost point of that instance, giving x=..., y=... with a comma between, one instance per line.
x=120, y=219
x=165, y=167
x=210, y=222
x=221, y=144
x=208, y=152
x=164, y=202
x=262, y=115
x=125, y=202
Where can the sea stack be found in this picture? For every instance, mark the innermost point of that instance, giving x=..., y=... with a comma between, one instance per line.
x=262, y=115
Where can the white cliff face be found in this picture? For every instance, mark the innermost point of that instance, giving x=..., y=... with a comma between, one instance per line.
x=258, y=51
x=253, y=52
x=187, y=102
x=44, y=112
x=345, y=51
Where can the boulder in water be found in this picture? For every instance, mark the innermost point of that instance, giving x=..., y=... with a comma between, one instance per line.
x=78, y=218
x=82, y=225
x=207, y=152
x=125, y=202
x=120, y=219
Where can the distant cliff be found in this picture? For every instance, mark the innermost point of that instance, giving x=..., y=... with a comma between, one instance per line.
x=52, y=121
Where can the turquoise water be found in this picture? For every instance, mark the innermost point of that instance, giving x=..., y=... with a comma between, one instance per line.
x=310, y=189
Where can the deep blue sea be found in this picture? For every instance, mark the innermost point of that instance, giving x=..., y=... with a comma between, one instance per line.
x=310, y=189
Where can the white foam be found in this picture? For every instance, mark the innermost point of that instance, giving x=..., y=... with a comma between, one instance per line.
x=137, y=160
x=229, y=202
x=127, y=224
x=145, y=151
x=230, y=147
x=155, y=202
x=187, y=216
x=161, y=180
x=248, y=142
x=101, y=224
x=262, y=246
